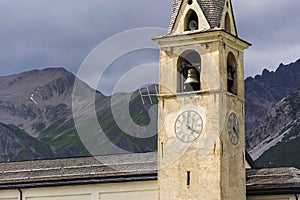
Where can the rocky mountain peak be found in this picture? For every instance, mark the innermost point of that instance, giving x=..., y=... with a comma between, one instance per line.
x=37, y=98
x=28, y=82
x=267, y=89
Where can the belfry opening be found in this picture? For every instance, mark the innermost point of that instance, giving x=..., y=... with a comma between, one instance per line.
x=231, y=74
x=189, y=70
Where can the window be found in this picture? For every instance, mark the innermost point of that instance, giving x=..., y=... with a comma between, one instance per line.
x=231, y=74
x=227, y=23
x=189, y=70
x=191, y=21
x=188, y=178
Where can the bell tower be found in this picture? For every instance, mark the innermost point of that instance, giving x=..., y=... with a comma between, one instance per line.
x=201, y=130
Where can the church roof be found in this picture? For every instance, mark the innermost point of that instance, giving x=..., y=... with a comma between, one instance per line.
x=125, y=167
x=101, y=169
x=284, y=180
x=212, y=9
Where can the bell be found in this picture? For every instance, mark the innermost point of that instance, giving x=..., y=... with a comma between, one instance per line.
x=192, y=77
x=193, y=25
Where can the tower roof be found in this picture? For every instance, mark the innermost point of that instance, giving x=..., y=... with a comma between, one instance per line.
x=212, y=10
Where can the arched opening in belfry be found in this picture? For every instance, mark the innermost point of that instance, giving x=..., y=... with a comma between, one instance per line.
x=191, y=21
x=232, y=86
x=227, y=23
x=189, y=70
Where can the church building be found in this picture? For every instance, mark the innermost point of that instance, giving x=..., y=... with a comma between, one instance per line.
x=201, y=130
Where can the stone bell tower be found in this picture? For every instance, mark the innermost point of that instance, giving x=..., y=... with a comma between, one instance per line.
x=201, y=145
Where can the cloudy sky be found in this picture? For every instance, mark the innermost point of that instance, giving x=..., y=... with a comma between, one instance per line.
x=40, y=33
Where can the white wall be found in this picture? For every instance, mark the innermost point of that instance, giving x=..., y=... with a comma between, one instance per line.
x=142, y=190
x=146, y=190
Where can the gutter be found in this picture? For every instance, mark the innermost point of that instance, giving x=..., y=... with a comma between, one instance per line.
x=147, y=177
x=273, y=191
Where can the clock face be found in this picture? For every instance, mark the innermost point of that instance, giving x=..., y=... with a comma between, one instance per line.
x=188, y=126
x=233, y=129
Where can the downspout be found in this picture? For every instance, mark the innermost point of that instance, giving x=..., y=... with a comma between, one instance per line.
x=20, y=194
x=297, y=197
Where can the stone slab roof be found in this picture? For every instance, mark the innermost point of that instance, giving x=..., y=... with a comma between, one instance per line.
x=174, y=14
x=285, y=180
x=125, y=167
x=212, y=9
x=65, y=171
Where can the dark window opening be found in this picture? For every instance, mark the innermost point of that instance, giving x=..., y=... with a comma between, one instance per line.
x=189, y=70
x=230, y=78
x=188, y=178
x=191, y=21
x=231, y=74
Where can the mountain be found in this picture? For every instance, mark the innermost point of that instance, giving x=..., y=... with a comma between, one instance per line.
x=279, y=135
x=272, y=112
x=264, y=91
x=16, y=144
x=39, y=102
x=37, y=107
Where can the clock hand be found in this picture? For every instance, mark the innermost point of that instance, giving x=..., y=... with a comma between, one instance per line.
x=193, y=130
x=235, y=130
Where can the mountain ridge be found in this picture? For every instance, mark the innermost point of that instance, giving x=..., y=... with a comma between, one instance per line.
x=279, y=134
x=265, y=90
x=38, y=104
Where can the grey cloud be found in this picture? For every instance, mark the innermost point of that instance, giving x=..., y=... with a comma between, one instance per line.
x=40, y=33
x=271, y=26
x=124, y=64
